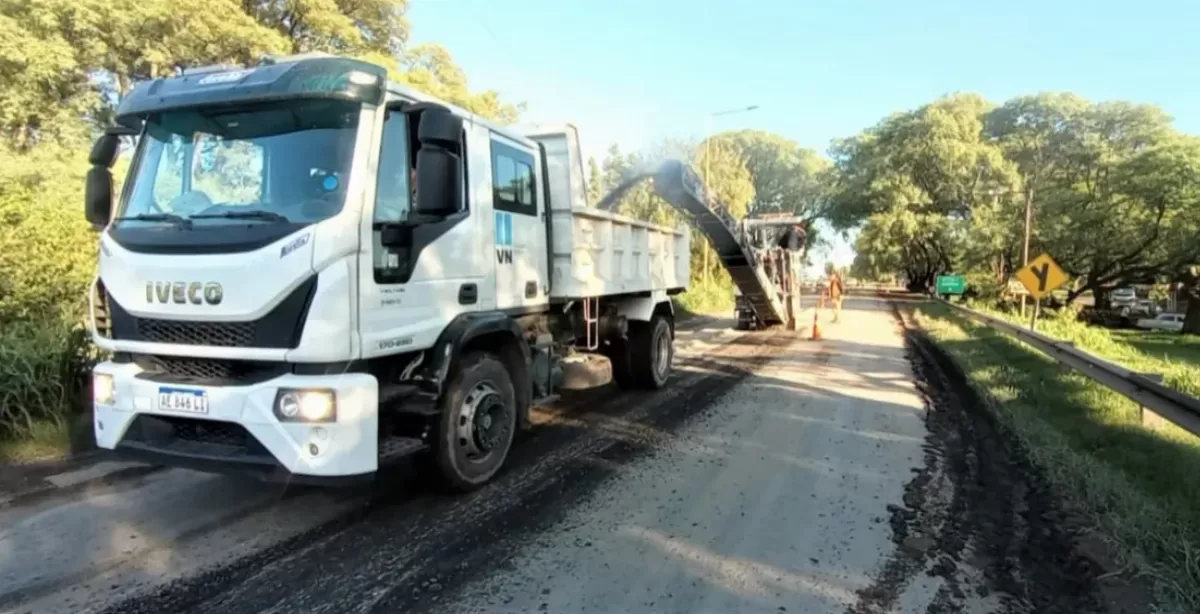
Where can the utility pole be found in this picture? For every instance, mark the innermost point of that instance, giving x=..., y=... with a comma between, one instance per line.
x=707, y=185
x=1028, y=232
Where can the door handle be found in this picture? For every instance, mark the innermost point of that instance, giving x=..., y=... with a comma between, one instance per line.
x=468, y=294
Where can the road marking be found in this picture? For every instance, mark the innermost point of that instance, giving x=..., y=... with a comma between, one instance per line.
x=97, y=471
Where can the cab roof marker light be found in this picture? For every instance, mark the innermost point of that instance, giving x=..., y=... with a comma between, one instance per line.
x=204, y=70
x=359, y=77
x=284, y=59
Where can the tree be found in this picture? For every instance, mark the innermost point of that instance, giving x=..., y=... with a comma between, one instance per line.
x=1116, y=186
x=786, y=177
x=923, y=185
x=1035, y=134
x=725, y=172
x=1190, y=277
x=1113, y=188
x=593, y=181
x=371, y=29
x=64, y=60
x=431, y=69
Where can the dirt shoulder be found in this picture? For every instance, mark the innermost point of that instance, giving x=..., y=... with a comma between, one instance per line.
x=985, y=520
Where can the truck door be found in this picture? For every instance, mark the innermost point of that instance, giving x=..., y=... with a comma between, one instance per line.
x=519, y=231
x=411, y=288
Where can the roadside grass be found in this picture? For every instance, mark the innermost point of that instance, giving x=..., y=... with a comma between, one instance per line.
x=1175, y=356
x=1139, y=487
x=43, y=440
x=1168, y=346
x=44, y=370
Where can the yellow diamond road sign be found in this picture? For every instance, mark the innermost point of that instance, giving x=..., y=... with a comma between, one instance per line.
x=1041, y=276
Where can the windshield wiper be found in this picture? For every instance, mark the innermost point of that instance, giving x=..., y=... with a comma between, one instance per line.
x=177, y=220
x=253, y=214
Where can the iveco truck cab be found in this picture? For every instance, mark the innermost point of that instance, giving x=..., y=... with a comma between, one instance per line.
x=310, y=272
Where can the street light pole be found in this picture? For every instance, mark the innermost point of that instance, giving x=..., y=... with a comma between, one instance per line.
x=707, y=162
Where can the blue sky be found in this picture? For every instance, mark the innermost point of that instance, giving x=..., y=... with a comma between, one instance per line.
x=634, y=72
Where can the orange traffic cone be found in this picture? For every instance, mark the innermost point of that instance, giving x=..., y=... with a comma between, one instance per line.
x=816, y=328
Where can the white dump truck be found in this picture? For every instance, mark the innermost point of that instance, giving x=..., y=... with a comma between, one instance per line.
x=310, y=272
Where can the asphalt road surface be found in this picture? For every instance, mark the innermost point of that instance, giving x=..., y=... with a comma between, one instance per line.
x=774, y=474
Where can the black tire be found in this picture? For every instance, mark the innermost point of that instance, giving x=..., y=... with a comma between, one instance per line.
x=651, y=352
x=470, y=447
x=742, y=323
x=622, y=366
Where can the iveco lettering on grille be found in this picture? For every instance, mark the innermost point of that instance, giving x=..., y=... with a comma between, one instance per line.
x=184, y=292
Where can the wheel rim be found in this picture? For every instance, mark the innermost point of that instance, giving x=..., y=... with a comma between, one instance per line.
x=662, y=358
x=482, y=423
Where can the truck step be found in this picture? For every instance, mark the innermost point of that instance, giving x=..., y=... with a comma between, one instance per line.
x=395, y=448
x=407, y=399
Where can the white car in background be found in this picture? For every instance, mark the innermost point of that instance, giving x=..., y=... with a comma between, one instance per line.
x=1163, y=321
x=1124, y=297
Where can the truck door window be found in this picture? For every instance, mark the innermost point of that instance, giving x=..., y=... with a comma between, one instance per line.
x=512, y=180
x=393, y=191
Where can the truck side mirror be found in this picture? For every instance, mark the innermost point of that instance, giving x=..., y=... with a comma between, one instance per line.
x=98, y=197
x=439, y=163
x=98, y=190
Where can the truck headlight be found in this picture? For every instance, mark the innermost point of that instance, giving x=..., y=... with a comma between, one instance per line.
x=306, y=405
x=104, y=390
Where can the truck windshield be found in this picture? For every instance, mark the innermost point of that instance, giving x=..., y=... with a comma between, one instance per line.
x=265, y=163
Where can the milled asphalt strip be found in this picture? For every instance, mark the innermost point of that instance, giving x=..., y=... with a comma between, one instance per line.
x=394, y=546
x=87, y=474
x=775, y=501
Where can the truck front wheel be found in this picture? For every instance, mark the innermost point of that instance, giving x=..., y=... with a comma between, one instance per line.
x=478, y=419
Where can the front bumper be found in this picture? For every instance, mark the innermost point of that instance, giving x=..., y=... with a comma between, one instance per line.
x=240, y=432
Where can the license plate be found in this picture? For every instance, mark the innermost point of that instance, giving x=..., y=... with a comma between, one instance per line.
x=182, y=399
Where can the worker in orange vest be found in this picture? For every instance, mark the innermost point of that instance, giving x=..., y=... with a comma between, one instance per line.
x=836, y=291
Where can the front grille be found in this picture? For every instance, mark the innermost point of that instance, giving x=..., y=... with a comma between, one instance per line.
x=191, y=435
x=203, y=431
x=222, y=334
x=212, y=370
x=280, y=328
x=194, y=368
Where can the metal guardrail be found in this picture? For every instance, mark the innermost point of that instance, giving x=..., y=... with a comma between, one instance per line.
x=1175, y=406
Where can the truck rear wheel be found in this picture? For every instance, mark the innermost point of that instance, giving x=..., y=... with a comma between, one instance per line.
x=478, y=419
x=622, y=367
x=651, y=352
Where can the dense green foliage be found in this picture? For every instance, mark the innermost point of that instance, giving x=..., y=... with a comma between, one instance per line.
x=1175, y=357
x=62, y=65
x=1113, y=187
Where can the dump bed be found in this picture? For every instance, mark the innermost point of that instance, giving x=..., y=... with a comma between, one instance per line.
x=599, y=253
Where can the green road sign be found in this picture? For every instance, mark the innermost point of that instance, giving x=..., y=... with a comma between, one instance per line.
x=951, y=284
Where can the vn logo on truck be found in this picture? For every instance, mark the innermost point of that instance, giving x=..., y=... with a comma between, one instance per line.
x=184, y=292
x=504, y=238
